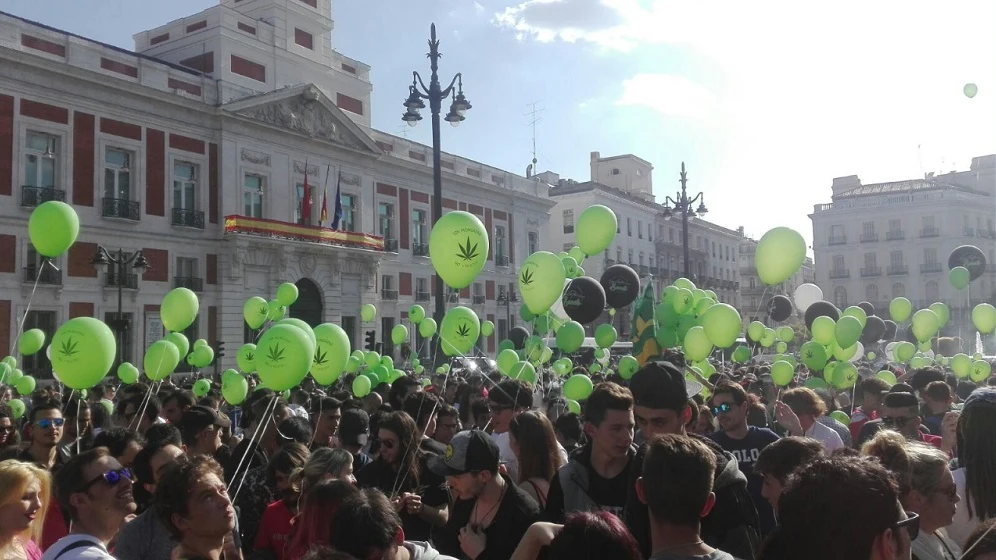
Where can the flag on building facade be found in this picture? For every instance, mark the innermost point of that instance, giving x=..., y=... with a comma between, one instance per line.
x=306, y=198
x=325, y=202
x=337, y=214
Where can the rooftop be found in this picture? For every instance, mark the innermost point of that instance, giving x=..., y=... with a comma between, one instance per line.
x=907, y=186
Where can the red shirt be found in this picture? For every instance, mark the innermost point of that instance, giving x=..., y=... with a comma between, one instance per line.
x=929, y=439
x=860, y=418
x=54, y=526
x=274, y=528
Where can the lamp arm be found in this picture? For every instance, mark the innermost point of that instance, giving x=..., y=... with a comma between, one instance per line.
x=418, y=79
x=449, y=89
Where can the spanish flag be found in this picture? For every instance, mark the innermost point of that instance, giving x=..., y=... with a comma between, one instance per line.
x=325, y=205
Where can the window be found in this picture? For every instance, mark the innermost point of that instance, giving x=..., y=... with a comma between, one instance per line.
x=871, y=293
x=896, y=259
x=385, y=216
x=618, y=254
x=898, y=290
x=670, y=234
x=840, y=297
x=40, y=160
x=127, y=335
x=928, y=222
x=870, y=259
x=930, y=255
x=868, y=228
x=418, y=227
x=838, y=262
x=641, y=258
x=615, y=171
x=184, y=185
x=186, y=267
x=349, y=325
x=714, y=250
x=500, y=243
x=931, y=291
x=252, y=195
x=478, y=290
x=629, y=226
x=568, y=221
x=38, y=363
x=895, y=225
x=836, y=231
x=299, y=216
x=304, y=39
x=650, y=232
x=421, y=289
x=639, y=228
x=630, y=256
x=117, y=174
x=348, y=222
x=533, y=242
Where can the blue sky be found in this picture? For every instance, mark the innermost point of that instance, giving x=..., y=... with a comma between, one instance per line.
x=765, y=101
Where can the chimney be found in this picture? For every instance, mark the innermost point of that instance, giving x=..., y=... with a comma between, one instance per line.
x=843, y=184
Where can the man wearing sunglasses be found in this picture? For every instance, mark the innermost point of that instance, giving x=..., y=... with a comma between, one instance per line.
x=901, y=412
x=96, y=492
x=729, y=406
x=47, y=425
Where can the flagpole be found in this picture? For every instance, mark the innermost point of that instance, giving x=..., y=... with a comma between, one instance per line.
x=325, y=197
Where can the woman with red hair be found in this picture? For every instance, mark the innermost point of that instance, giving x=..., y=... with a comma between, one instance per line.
x=312, y=527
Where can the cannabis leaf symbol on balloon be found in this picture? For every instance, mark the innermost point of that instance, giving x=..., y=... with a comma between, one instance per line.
x=527, y=277
x=467, y=252
x=276, y=353
x=263, y=309
x=810, y=354
x=463, y=331
x=69, y=347
x=250, y=356
x=320, y=357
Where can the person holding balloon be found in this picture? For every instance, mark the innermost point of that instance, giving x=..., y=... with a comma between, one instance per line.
x=797, y=412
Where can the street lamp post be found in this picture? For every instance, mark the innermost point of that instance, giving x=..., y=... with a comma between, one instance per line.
x=683, y=205
x=101, y=260
x=507, y=302
x=435, y=93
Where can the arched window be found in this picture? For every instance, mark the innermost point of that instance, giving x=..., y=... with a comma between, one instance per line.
x=931, y=292
x=840, y=297
x=871, y=293
x=898, y=290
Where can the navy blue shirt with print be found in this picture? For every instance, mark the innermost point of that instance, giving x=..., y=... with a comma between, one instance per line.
x=746, y=451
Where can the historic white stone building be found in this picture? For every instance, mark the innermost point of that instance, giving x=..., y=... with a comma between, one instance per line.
x=880, y=241
x=196, y=149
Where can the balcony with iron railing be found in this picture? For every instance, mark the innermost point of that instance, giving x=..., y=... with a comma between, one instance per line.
x=128, y=281
x=454, y=297
x=48, y=276
x=419, y=249
x=840, y=273
x=870, y=271
x=654, y=270
x=931, y=267
x=389, y=295
x=928, y=232
x=838, y=240
x=187, y=218
x=898, y=270
x=869, y=237
x=189, y=282
x=986, y=233
x=644, y=270
x=121, y=209
x=479, y=299
x=501, y=260
x=895, y=235
x=421, y=296
x=390, y=245
x=33, y=196
x=969, y=232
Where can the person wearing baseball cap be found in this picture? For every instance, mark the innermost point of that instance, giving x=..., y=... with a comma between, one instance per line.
x=662, y=399
x=200, y=430
x=490, y=514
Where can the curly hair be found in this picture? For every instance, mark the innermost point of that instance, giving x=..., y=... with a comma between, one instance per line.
x=175, y=484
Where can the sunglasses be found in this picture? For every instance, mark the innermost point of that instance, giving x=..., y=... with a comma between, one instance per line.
x=47, y=423
x=8, y=428
x=112, y=478
x=723, y=408
x=896, y=420
x=912, y=524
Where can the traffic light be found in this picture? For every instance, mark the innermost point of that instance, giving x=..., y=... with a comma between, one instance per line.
x=371, y=339
x=219, y=349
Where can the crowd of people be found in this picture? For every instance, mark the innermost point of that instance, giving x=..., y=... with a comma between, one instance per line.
x=473, y=465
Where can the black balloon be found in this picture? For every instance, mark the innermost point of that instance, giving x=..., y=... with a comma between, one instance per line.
x=909, y=336
x=868, y=308
x=621, y=284
x=584, y=299
x=874, y=330
x=970, y=257
x=518, y=336
x=779, y=308
x=820, y=309
x=890, y=330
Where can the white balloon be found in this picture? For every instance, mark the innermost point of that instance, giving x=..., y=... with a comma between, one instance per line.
x=48, y=352
x=929, y=354
x=860, y=354
x=557, y=309
x=890, y=351
x=806, y=295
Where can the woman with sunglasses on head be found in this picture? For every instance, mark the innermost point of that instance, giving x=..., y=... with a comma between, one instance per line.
x=401, y=472
x=23, y=504
x=926, y=487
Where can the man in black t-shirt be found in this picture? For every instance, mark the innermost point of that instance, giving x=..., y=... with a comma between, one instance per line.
x=597, y=476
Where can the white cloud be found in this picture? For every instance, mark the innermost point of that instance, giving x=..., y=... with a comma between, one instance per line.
x=669, y=95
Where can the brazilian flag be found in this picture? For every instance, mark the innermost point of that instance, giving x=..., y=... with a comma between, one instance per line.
x=644, y=330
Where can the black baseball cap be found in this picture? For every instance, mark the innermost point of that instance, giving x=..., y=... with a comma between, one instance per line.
x=468, y=451
x=196, y=418
x=661, y=385
x=354, y=422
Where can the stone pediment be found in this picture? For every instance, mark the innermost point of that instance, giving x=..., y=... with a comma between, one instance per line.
x=307, y=111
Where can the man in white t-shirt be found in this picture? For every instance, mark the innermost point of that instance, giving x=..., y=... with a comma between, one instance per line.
x=507, y=400
x=797, y=412
x=97, y=493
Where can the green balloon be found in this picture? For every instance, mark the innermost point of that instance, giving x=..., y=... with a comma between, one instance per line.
x=683, y=301
x=570, y=267
x=524, y=371
x=925, y=324
x=823, y=330
x=573, y=406
x=665, y=315
x=782, y=373
x=570, y=337
x=686, y=322
x=83, y=350
x=779, y=254
x=487, y=328
x=785, y=333
x=841, y=416
x=287, y=294
x=844, y=354
x=979, y=373
x=202, y=356
x=684, y=283
x=605, y=335
x=722, y=324
x=26, y=385
x=577, y=387
x=180, y=341
x=577, y=254
x=781, y=347
x=741, y=355
x=331, y=353
x=31, y=341
x=255, y=311
x=275, y=311
x=198, y=343
x=943, y=313
x=202, y=387
x=970, y=90
x=416, y=313
x=961, y=365
x=17, y=408
x=755, y=331
x=371, y=359
x=628, y=366
x=459, y=331
x=128, y=373
x=399, y=334
x=900, y=309
x=368, y=312
x=361, y=386
x=870, y=356
x=246, y=358
x=160, y=360
x=506, y=359
x=541, y=281
x=959, y=277
x=427, y=327
x=847, y=331
x=697, y=345
x=815, y=383
x=525, y=314
x=53, y=228
x=179, y=309
x=595, y=229
x=14, y=376
x=458, y=248
x=353, y=364
x=382, y=374
x=667, y=338
x=284, y=356
x=887, y=376
x=813, y=356
x=768, y=339
x=387, y=362
x=857, y=313
x=984, y=318
x=904, y=351
x=234, y=388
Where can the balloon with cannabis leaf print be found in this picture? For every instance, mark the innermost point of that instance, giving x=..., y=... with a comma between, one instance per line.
x=284, y=355
x=541, y=281
x=83, y=352
x=458, y=248
x=331, y=353
x=459, y=331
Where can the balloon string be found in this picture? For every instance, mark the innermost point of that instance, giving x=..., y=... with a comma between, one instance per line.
x=24, y=317
x=257, y=434
x=136, y=421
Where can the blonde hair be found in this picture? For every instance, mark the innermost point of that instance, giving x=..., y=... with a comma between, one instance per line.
x=15, y=477
x=322, y=461
x=916, y=466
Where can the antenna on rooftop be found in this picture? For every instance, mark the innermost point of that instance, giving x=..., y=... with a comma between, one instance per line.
x=534, y=118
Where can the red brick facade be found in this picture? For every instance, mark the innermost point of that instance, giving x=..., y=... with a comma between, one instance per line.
x=84, y=158
x=80, y=309
x=347, y=103
x=8, y=253
x=158, y=265
x=81, y=260
x=6, y=144
x=155, y=172
x=248, y=68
